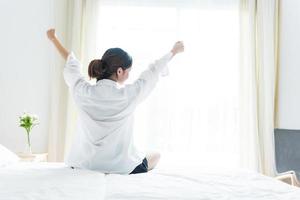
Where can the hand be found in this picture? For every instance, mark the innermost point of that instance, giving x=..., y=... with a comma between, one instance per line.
x=51, y=34
x=178, y=48
x=61, y=49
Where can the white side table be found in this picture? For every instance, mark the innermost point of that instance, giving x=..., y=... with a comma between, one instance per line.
x=35, y=157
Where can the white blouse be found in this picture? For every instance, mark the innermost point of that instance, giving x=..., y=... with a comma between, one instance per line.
x=103, y=140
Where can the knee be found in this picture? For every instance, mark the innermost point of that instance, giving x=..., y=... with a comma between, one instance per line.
x=153, y=157
x=157, y=155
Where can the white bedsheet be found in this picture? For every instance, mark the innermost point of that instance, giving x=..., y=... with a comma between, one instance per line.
x=200, y=184
x=55, y=181
x=45, y=181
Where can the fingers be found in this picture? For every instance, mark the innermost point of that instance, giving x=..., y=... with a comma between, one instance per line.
x=178, y=47
x=51, y=33
x=181, y=45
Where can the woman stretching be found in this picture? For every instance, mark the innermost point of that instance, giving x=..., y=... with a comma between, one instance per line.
x=104, y=134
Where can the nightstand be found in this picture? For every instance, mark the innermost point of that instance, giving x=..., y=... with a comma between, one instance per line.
x=35, y=157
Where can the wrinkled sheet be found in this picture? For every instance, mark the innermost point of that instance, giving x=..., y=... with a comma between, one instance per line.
x=200, y=184
x=45, y=181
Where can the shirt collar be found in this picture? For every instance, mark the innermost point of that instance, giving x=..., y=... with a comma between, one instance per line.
x=107, y=82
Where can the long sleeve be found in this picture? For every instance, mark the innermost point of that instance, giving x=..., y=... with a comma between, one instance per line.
x=73, y=77
x=148, y=78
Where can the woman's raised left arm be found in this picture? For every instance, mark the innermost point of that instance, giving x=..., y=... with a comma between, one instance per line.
x=60, y=48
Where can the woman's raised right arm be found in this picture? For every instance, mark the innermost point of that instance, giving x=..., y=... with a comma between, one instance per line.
x=148, y=79
x=61, y=49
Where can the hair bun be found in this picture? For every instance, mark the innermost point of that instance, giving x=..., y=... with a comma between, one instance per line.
x=95, y=68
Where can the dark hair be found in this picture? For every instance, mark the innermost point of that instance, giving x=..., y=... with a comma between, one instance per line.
x=111, y=60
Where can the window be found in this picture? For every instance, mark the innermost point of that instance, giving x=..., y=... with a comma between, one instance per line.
x=191, y=114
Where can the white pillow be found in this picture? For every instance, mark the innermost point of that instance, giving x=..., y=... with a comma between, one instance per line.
x=7, y=157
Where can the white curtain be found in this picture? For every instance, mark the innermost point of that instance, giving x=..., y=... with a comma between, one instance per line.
x=258, y=72
x=78, y=33
x=59, y=92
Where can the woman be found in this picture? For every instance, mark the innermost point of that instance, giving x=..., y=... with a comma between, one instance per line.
x=104, y=135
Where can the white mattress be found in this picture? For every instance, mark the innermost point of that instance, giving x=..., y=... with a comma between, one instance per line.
x=56, y=181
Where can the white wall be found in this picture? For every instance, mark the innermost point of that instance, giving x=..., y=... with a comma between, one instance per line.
x=26, y=58
x=289, y=85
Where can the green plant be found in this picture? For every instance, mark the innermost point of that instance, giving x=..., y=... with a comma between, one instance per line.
x=28, y=121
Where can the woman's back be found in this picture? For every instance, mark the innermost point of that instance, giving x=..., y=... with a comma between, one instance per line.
x=105, y=125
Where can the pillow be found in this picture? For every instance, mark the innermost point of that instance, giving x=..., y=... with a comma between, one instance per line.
x=7, y=157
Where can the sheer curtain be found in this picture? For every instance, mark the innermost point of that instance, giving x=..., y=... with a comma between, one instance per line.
x=258, y=72
x=59, y=91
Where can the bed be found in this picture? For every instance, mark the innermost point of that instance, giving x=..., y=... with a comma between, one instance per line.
x=45, y=181
x=49, y=181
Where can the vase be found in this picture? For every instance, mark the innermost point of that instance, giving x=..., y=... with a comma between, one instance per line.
x=28, y=146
